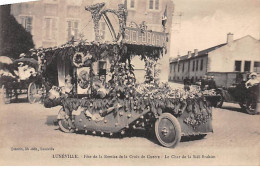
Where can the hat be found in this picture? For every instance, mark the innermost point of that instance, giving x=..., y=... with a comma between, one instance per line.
x=102, y=72
x=252, y=74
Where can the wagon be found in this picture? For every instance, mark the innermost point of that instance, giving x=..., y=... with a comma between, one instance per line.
x=247, y=98
x=12, y=87
x=95, y=84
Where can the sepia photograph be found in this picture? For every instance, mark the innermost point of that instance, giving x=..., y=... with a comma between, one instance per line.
x=130, y=83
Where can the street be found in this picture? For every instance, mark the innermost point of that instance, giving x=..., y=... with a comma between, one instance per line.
x=29, y=136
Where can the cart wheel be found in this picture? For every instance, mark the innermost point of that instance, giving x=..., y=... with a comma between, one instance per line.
x=250, y=107
x=168, y=130
x=32, y=93
x=4, y=96
x=220, y=102
x=242, y=105
x=63, y=122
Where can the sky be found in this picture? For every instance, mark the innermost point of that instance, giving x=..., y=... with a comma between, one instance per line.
x=206, y=23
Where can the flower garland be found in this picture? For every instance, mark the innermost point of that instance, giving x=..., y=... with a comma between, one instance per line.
x=80, y=60
x=96, y=13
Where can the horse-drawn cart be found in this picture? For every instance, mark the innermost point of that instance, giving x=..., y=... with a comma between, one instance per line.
x=21, y=80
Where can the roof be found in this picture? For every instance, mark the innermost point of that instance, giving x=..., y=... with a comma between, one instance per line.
x=206, y=51
x=200, y=53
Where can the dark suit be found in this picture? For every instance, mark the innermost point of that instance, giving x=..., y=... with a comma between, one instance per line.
x=204, y=82
x=212, y=84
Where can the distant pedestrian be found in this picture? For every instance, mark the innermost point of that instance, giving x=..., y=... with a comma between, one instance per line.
x=192, y=80
x=204, y=83
x=211, y=83
x=187, y=84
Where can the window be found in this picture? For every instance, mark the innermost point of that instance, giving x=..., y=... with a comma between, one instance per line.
x=178, y=67
x=193, y=65
x=197, y=65
x=237, y=65
x=50, y=28
x=131, y=4
x=154, y=4
x=188, y=66
x=102, y=30
x=256, y=66
x=247, y=66
x=201, y=64
x=73, y=29
x=26, y=22
x=183, y=68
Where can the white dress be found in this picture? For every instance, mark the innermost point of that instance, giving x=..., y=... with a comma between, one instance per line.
x=251, y=82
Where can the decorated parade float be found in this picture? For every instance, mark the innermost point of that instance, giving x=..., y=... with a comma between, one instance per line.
x=99, y=93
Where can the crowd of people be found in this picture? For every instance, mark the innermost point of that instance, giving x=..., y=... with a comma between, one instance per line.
x=206, y=83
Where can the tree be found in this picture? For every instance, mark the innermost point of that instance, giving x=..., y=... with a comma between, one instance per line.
x=14, y=39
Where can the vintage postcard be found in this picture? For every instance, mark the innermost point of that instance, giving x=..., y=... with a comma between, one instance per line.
x=130, y=83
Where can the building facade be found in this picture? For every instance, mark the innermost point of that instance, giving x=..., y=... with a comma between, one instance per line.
x=55, y=22
x=224, y=61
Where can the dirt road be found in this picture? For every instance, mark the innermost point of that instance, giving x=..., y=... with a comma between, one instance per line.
x=235, y=141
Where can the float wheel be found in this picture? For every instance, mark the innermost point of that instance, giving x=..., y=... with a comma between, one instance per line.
x=63, y=122
x=168, y=130
x=250, y=107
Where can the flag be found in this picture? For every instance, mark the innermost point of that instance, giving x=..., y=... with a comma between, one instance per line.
x=164, y=17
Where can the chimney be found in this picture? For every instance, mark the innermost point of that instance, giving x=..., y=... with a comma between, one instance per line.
x=196, y=52
x=189, y=54
x=229, y=37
